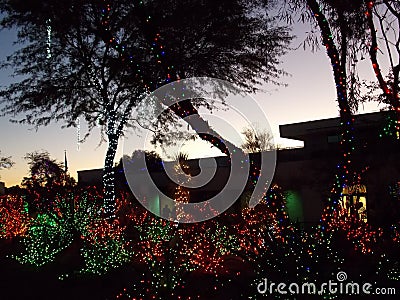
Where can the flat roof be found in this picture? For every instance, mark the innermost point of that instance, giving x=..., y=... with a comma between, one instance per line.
x=300, y=130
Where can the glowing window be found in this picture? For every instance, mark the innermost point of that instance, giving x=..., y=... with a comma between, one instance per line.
x=354, y=201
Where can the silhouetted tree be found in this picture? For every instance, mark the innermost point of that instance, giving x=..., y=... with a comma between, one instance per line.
x=387, y=15
x=46, y=178
x=5, y=162
x=257, y=140
x=343, y=29
x=98, y=59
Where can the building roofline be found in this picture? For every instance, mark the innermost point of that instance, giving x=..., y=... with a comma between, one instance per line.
x=90, y=170
x=300, y=130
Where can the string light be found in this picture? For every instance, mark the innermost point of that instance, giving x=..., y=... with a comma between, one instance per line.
x=391, y=95
x=48, y=41
x=344, y=168
x=261, y=238
x=78, y=134
x=182, y=109
x=14, y=217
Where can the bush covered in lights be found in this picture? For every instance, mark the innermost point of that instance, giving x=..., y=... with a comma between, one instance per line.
x=46, y=237
x=14, y=217
x=104, y=248
x=261, y=240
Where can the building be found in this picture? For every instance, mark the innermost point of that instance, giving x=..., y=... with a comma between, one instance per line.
x=306, y=174
x=2, y=188
x=90, y=177
x=308, y=171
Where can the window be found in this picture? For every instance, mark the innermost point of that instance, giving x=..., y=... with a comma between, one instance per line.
x=354, y=201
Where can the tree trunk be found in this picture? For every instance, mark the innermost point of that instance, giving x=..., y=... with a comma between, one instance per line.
x=190, y=115
x=109, y=177
x=343, y=174
x=390, y=93
x=185, y=108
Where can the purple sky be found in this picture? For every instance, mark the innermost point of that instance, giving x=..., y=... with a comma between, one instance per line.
x=310, y=95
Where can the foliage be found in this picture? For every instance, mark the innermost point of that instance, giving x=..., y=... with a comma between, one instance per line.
x=158, y=250
x=45, y=172
x=104, y=248
x=153, y=160
x=78, y=44
x=372, y=92
x=387, y=16
x=98, y=60
x=129, y=166
x=46, y=238
x=260, y=239
x=47, y=179
x=14, y=217
x=5, y=162
x=75, y=218
x=257, y=140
